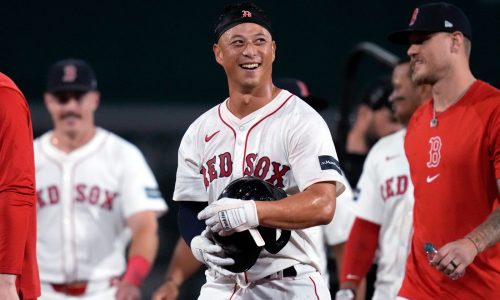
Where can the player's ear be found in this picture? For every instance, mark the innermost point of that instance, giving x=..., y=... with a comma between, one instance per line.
x=274, y=49
x=217, y=53
x=457, y=41
x=96, y=99
x=48, y=99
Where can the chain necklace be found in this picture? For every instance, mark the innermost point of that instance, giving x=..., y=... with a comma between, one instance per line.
x=434, y=121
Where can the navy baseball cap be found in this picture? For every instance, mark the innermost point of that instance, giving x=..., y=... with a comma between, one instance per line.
x=434, y=17
x=71, y=75
x=300, y=89
x=235, y=14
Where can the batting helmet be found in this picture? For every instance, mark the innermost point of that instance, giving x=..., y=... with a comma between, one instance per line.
x=241, y=246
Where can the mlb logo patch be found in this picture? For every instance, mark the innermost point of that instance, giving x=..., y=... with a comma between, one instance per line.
x=153, y=193
x=327, y=162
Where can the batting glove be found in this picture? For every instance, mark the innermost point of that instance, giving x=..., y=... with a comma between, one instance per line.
x=210, y=254
x=227, y=215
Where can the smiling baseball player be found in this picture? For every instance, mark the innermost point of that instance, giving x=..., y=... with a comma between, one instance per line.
x=95, y=192
x=269, y=133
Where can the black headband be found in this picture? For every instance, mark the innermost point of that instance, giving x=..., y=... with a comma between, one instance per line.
x=236, y=14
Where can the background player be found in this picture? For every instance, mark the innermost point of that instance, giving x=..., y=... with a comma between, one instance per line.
x=385, y=201
x=95, y=191
x=264, y=131
x=18, y=265
x=453, y=149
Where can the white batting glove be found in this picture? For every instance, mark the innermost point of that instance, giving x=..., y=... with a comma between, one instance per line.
x=227, y=215
x=210, y=254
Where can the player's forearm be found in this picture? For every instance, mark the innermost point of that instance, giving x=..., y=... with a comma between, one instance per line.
x=145, y=238
x=182, y=265
x=488, y=233
x=314, y=206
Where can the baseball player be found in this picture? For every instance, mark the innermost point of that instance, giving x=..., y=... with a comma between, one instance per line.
x=18, y=265
x=334, y=234
x=95, y=193
x=453, y=149
x=263, y=131
x=385, y=201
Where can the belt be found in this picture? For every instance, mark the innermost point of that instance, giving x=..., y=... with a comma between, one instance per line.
x=287, y=272
x=72, y=289
x=79, y=288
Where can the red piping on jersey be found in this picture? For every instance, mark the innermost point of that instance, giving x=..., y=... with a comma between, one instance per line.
x=82, y=159
x=220, y=117
x=315, y=288
x=254, y=125
x=234, y=291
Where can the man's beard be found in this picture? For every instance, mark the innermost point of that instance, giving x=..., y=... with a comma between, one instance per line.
x=420, y=79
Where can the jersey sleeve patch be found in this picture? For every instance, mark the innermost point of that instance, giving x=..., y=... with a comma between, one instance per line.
x=327, y=162
x=153, y=193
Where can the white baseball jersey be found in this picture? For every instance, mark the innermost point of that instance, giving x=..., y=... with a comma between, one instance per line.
x=84, y=199
x=386, y=198
x=286, y=143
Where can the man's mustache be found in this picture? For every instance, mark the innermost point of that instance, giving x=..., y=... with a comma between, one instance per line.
x=70, y=115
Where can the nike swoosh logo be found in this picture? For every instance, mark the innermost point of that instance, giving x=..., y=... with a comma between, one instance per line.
x=432, y=178
x=209, y=137
x=389, y=157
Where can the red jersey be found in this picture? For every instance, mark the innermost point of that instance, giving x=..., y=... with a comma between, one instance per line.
x=454, y=167
x=17, y=191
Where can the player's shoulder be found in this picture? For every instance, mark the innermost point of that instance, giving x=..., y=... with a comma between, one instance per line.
x=116, y=145
x=205, y=119
x=6, y=82
x=388, y=145
x=485, y=96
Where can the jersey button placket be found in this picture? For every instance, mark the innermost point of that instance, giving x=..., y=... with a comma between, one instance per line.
x=67, y=206
x=239, y=149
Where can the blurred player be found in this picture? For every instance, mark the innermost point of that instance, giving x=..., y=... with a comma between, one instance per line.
x=95, y=193
x=18, y=265
x=453, y=149
x=385, y=201
x=267, y=132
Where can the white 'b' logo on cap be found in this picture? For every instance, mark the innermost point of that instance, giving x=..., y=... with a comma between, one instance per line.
x=69, y=73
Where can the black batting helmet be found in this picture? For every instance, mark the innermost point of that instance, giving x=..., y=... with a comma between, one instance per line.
x=241, y=246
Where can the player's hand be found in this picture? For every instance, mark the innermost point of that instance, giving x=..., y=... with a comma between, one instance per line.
x=8, y=287
x=127, y=291
x=454, y=257
x=169, y=290
x=210, y=254
x=227, y=215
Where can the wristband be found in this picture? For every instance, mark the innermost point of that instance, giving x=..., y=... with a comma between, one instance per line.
x=137, y=270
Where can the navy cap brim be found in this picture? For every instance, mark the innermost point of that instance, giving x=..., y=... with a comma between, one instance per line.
x=70, y=88
x=403, y=37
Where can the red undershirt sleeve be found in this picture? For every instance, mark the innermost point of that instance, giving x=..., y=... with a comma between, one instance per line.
x=359, y=251
x=17, y=179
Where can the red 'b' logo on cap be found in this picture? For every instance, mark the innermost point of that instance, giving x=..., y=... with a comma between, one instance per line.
x=414, y=17
x=246, y=14
x=70, y=73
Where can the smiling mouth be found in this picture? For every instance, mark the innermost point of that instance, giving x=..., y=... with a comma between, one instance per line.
x=251, y=66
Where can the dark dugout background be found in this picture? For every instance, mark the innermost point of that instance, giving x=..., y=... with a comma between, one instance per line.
x=156, y=70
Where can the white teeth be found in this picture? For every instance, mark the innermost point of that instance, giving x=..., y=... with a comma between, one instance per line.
x=250, y=66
